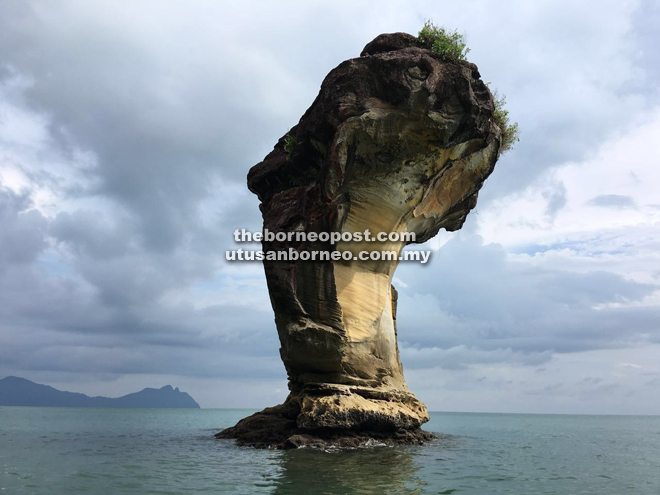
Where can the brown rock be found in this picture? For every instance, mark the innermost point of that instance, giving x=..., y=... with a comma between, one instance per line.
x=396, y=141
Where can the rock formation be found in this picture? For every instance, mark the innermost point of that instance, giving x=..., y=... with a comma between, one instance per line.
x=396, y=141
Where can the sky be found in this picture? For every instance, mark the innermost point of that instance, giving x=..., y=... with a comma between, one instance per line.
x=126, y=135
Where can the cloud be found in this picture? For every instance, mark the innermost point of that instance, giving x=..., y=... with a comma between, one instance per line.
x=556, y=198
x=476, y=295
x=585, y=382
x=462, y=357
x=22, y=236
x=612, y=201
x=598, y=180
x=126, y=135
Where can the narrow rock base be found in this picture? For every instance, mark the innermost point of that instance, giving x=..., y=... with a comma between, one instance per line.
x=276, y=428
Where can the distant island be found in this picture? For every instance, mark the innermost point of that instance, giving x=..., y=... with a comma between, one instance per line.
x=15, y=391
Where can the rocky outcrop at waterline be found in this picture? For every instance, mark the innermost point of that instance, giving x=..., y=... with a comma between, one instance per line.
x=396, y=141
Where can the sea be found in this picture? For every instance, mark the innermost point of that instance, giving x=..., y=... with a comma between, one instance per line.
x=55, y=451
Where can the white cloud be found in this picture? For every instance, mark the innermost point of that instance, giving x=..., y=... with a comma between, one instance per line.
x=623, y=167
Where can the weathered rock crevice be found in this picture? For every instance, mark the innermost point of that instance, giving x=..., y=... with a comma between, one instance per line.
x=396, y=141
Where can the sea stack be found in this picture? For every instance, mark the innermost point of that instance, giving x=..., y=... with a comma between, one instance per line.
x=396, y=141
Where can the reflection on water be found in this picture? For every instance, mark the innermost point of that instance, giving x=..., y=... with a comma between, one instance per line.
x=378, y=470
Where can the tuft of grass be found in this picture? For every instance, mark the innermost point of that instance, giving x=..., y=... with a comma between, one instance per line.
x=501, y=119
x=290, y=143
x=450, y=46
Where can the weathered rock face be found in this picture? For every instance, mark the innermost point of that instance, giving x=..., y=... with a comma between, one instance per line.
x=396, y=141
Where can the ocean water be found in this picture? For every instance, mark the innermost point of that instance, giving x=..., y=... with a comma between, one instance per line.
x=166, y=451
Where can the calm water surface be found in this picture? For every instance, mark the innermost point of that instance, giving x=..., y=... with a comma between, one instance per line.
x=166, y=451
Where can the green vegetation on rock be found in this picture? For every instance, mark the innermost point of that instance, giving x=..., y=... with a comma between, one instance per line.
x=290, y=143
x=501, y=119
x=450, y=46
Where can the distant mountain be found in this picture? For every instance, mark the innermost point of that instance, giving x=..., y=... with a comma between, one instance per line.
x=16, y=391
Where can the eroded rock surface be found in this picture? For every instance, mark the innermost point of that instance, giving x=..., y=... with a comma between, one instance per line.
x=396, y=141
